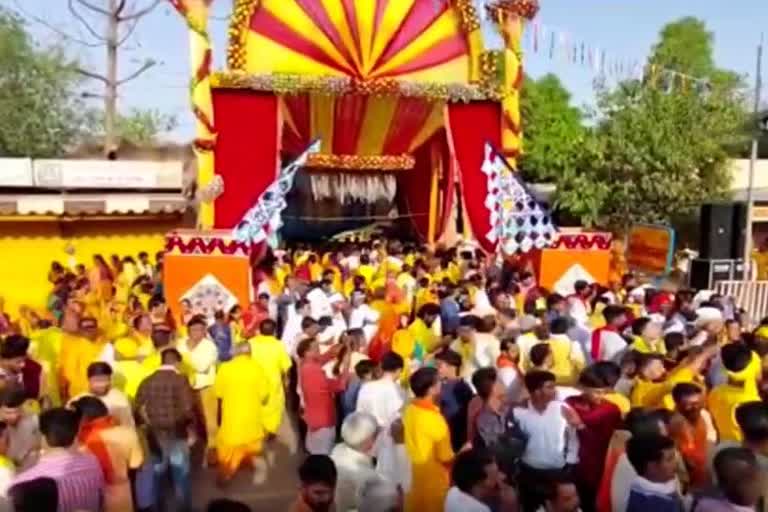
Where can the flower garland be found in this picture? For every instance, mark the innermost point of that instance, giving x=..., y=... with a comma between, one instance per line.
x=361, y=162
x=467, y=15
x=238, y=32
x=524, y=8
x=281, y=83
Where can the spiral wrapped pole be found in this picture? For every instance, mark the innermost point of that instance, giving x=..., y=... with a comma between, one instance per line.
x=195, y=14
x=510, y=17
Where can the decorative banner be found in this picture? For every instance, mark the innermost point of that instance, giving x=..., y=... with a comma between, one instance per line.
x=519, y=223
x=559, y=45
x=264, y=220
x=651, y=248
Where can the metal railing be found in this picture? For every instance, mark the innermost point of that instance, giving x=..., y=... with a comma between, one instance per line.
x=749, y=295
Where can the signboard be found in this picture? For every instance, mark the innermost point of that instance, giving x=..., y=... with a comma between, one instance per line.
x=16, y=172
x=102, y=174
x=650, y=248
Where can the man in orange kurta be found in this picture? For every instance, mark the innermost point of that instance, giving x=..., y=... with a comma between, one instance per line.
x=428, y=443
x=116, y=447
x=689, y=431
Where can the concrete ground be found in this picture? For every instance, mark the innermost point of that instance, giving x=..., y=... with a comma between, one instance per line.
x=274, y=495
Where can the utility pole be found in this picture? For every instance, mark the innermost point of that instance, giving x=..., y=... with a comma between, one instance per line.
x=752, y=163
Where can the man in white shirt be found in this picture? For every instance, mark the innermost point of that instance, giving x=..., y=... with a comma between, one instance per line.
x=362, y=316
x=354, y=459
x=477, y=481
x=202, y=355
x=384, y=399
x=552, y=443
x=607, y=344
x=319, y=300
x=578, y=303
x=292, y=330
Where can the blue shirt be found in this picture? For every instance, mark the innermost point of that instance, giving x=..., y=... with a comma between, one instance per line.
x=449, y=315
x=455, y=396
x=222, y=337
x=349, y=398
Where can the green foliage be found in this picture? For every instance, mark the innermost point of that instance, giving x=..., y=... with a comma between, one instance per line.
x=138, y=127
x=40, y=110
x=554, y=132
x=652, y=155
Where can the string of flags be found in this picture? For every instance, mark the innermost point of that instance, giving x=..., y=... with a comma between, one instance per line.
x=559, y=45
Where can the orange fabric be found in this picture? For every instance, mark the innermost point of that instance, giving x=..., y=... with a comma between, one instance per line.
x=692, y=443
x=181, y=272
x=231, y=458
x=90, y=437
x=616, y=449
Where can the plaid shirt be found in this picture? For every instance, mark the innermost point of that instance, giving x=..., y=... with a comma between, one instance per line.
x=165, y=401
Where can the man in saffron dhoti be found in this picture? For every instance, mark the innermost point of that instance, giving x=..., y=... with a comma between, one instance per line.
x=242, y=388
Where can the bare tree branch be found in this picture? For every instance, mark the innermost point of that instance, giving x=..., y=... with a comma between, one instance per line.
x=120, y=8
x=79, y=17
x=53, y=28
x=91, y=74
x=92, y=7
x=144, y=67
x=128, y=33
x=141, y=12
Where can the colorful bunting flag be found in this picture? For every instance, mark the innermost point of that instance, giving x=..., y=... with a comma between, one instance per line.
x=263, y=221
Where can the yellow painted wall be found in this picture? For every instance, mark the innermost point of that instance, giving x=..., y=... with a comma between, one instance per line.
x=27, y=249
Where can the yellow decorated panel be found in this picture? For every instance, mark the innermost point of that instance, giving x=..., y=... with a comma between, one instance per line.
x=361, y=39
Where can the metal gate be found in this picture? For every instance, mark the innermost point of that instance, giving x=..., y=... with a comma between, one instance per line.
x=749, y=295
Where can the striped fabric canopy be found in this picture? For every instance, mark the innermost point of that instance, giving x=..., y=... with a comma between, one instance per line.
x=412, y=40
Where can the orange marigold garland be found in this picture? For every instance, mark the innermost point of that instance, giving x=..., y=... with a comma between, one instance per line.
x=524, y=8
x=238, y=31
x=281, y=83
x=361, y=162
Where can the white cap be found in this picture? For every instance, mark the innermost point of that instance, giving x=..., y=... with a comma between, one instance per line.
x=707, y=314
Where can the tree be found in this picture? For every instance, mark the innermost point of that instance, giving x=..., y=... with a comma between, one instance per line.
x=554, y=133
x=138, y=127
x=654, y=154
x=40, y=110
x=116, y=22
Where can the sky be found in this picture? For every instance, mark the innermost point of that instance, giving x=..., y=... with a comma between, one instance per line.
x=625, y=29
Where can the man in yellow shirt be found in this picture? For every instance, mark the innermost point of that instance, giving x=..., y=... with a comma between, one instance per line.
x=653, y=386
x=272, y=356
x=428, y=443
x=647, y=337
x=130, y=351
x=421, y=330
x=78, y=353
x=568, y=355
x=241, y=387
x=739, y=389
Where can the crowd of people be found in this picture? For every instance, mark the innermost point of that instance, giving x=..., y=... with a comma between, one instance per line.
x=413, y=379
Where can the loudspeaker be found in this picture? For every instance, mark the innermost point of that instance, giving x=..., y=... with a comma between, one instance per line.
x=706, y=273
x=722, y=231
x=739, y=230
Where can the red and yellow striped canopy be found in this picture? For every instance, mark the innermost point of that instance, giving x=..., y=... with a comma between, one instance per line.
x=414, y=40
x=358, y=124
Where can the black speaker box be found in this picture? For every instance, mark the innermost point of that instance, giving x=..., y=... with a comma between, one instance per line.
x=722, y=231
x=706, y=273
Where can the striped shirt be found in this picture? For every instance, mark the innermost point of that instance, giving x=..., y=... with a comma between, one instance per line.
x=78, y=477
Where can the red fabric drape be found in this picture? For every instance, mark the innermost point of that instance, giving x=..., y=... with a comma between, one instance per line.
x=415, y=186
x=470, y=126
x=247, y=150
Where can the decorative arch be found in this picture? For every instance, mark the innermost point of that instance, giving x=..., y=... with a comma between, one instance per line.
x=367, y=40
